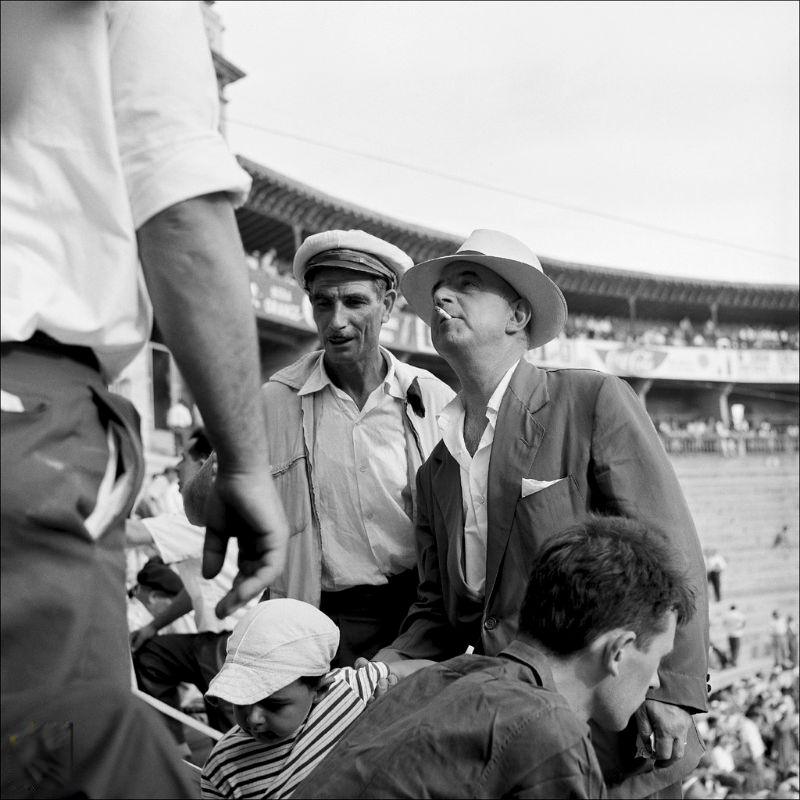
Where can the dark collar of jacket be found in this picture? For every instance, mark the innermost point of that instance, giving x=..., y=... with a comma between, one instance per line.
x=526, y=653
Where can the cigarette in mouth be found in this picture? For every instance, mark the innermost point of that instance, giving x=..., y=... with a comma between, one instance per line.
x=442, y=313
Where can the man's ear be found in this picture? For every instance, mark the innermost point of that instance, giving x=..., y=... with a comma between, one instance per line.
x=388, y=304
x=615, y=646
x=520, y=315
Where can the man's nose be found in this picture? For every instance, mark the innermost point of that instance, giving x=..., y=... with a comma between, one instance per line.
x=255, y=715
x=339, y=316
x=655, y=681
x=442, y=295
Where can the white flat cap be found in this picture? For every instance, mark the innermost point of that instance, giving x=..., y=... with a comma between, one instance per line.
x=356, y=250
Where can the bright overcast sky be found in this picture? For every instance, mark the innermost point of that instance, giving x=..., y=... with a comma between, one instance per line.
x=678, y=116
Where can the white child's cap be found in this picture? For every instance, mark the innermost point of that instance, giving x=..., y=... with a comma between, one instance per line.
x=274, y=644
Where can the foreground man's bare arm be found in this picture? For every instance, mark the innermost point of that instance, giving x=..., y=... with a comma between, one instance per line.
x=196, y=276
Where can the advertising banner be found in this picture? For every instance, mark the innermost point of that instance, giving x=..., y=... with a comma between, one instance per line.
x=673, y=363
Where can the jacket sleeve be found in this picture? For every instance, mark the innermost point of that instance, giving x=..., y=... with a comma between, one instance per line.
x=633, y=477
x=426, y=631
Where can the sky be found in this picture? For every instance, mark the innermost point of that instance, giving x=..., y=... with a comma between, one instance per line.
x=648, y=136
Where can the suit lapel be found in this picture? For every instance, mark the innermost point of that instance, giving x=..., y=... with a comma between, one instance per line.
x=446, y=481
x=516, y=441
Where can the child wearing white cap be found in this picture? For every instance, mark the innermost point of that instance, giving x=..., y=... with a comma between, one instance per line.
x=290, y=707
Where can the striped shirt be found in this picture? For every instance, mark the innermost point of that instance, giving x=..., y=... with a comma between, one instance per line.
x=241, y=767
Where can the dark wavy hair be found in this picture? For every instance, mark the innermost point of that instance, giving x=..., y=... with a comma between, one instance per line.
x=604, y=573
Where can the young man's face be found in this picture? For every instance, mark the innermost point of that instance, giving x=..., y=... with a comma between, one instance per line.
x=278, y=716
x=349, y=311
x=472, y=306
x=620, y=695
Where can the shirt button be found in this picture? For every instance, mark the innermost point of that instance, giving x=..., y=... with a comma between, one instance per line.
x=362, y=468
x=490, y=623
x=369, y=515
x=480, y=499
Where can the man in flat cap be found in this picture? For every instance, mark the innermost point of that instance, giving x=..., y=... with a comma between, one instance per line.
x=348, y=427
x=526, y=452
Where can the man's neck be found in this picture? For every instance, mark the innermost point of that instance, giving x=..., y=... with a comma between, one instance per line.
x=571, y=677
x=360, y=379
x=480, y=375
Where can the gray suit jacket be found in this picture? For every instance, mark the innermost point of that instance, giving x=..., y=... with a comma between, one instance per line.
x=588, y=431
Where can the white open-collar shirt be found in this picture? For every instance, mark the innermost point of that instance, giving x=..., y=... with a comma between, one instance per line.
x=360, y=470
x=474, y=472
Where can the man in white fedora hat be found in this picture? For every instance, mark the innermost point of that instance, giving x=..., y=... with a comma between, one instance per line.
x=348, y=427
x=526, y=452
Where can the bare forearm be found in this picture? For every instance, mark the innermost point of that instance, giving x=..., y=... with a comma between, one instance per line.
x=182, y=604
x=196, y=276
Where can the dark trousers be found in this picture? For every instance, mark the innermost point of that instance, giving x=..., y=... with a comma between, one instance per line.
x=174, y=658
x=734, y=642
x=369, y=617
x=66, y=702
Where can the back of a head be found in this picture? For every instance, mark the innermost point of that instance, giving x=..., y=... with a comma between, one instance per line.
x=602, y=574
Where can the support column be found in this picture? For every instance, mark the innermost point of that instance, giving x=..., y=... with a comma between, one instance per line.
x=298, y=236
x=724, y=410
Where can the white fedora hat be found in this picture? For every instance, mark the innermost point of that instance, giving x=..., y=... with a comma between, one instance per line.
x=513, y=262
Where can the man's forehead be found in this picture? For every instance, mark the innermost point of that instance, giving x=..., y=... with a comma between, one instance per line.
x=486, y=275
x=327, y=280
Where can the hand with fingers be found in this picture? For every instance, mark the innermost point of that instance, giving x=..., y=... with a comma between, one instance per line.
x=669, y=725
x=142, y=636
x=245, y=506
x=383, y=685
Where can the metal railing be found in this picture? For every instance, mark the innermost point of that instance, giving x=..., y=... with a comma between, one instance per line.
x=737, y=445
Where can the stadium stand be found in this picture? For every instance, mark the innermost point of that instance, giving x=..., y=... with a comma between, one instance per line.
x=715, y=363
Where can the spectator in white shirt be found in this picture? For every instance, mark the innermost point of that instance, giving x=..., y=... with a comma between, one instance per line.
x=164, y=662
x=117, y=200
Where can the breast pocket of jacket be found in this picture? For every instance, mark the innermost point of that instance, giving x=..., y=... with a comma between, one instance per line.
x=291, y=483
x=547, y=512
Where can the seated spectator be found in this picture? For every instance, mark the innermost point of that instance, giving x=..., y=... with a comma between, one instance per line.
x=600, y=612
x=155, y=590
x=184, y=656
x=290, y=707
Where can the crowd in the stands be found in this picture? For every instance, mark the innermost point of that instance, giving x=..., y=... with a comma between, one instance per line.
x=683, y=334
x=642, y=332
x=751, y=737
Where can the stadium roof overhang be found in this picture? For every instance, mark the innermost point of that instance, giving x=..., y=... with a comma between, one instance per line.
x=281, y=211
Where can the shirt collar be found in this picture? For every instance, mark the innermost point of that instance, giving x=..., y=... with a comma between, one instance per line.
x=318, y=378
x=527, y=654
x=454, y=410
x=493, y=406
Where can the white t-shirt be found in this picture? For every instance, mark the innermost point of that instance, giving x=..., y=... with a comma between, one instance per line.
x=180, y=544
x=87, y=161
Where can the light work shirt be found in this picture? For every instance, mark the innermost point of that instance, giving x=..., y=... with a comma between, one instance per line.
x=360, y=469
x=474, y=472
x=87, y=162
